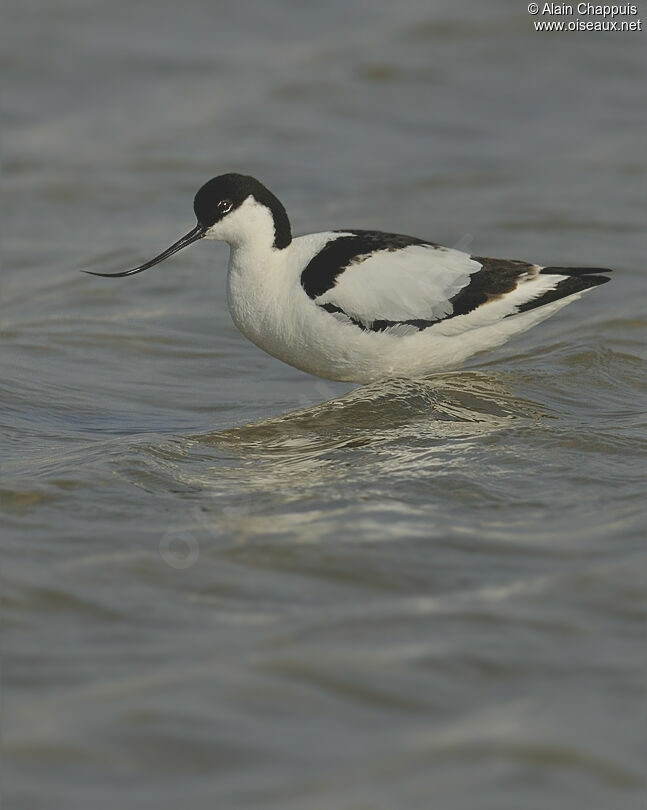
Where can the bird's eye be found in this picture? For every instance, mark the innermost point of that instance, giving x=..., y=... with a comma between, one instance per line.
x=224, y=206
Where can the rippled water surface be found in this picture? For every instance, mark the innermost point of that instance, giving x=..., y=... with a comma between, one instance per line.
x=226, y=584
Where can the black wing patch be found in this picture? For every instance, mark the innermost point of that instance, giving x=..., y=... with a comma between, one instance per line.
x=381, y=324
x=322, y=270
x=496, y=278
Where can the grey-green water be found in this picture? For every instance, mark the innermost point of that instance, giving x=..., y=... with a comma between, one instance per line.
x=226, y=584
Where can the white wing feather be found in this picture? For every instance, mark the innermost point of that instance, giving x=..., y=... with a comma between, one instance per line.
x=414, y=282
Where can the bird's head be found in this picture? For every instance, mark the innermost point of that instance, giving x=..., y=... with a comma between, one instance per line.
x=233, y=208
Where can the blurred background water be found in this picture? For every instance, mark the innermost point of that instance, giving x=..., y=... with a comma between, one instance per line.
x=228, y=584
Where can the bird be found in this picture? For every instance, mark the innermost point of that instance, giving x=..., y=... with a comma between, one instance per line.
x=363, y=306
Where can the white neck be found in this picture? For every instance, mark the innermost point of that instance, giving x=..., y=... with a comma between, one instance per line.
x=256, y=268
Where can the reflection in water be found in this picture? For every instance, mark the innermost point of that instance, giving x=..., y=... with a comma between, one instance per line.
x=389, y=443
x=443, y=406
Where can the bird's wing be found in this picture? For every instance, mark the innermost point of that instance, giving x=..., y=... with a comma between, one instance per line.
x=390, y=282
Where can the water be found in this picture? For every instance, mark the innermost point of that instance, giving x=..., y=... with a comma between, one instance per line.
x=228, y=584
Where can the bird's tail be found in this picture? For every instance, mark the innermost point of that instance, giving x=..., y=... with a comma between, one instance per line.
x=573, y=280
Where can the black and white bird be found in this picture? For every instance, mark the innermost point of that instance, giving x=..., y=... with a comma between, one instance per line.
x=361, y=306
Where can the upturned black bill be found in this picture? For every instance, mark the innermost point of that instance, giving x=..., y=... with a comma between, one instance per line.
x=192, y=236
